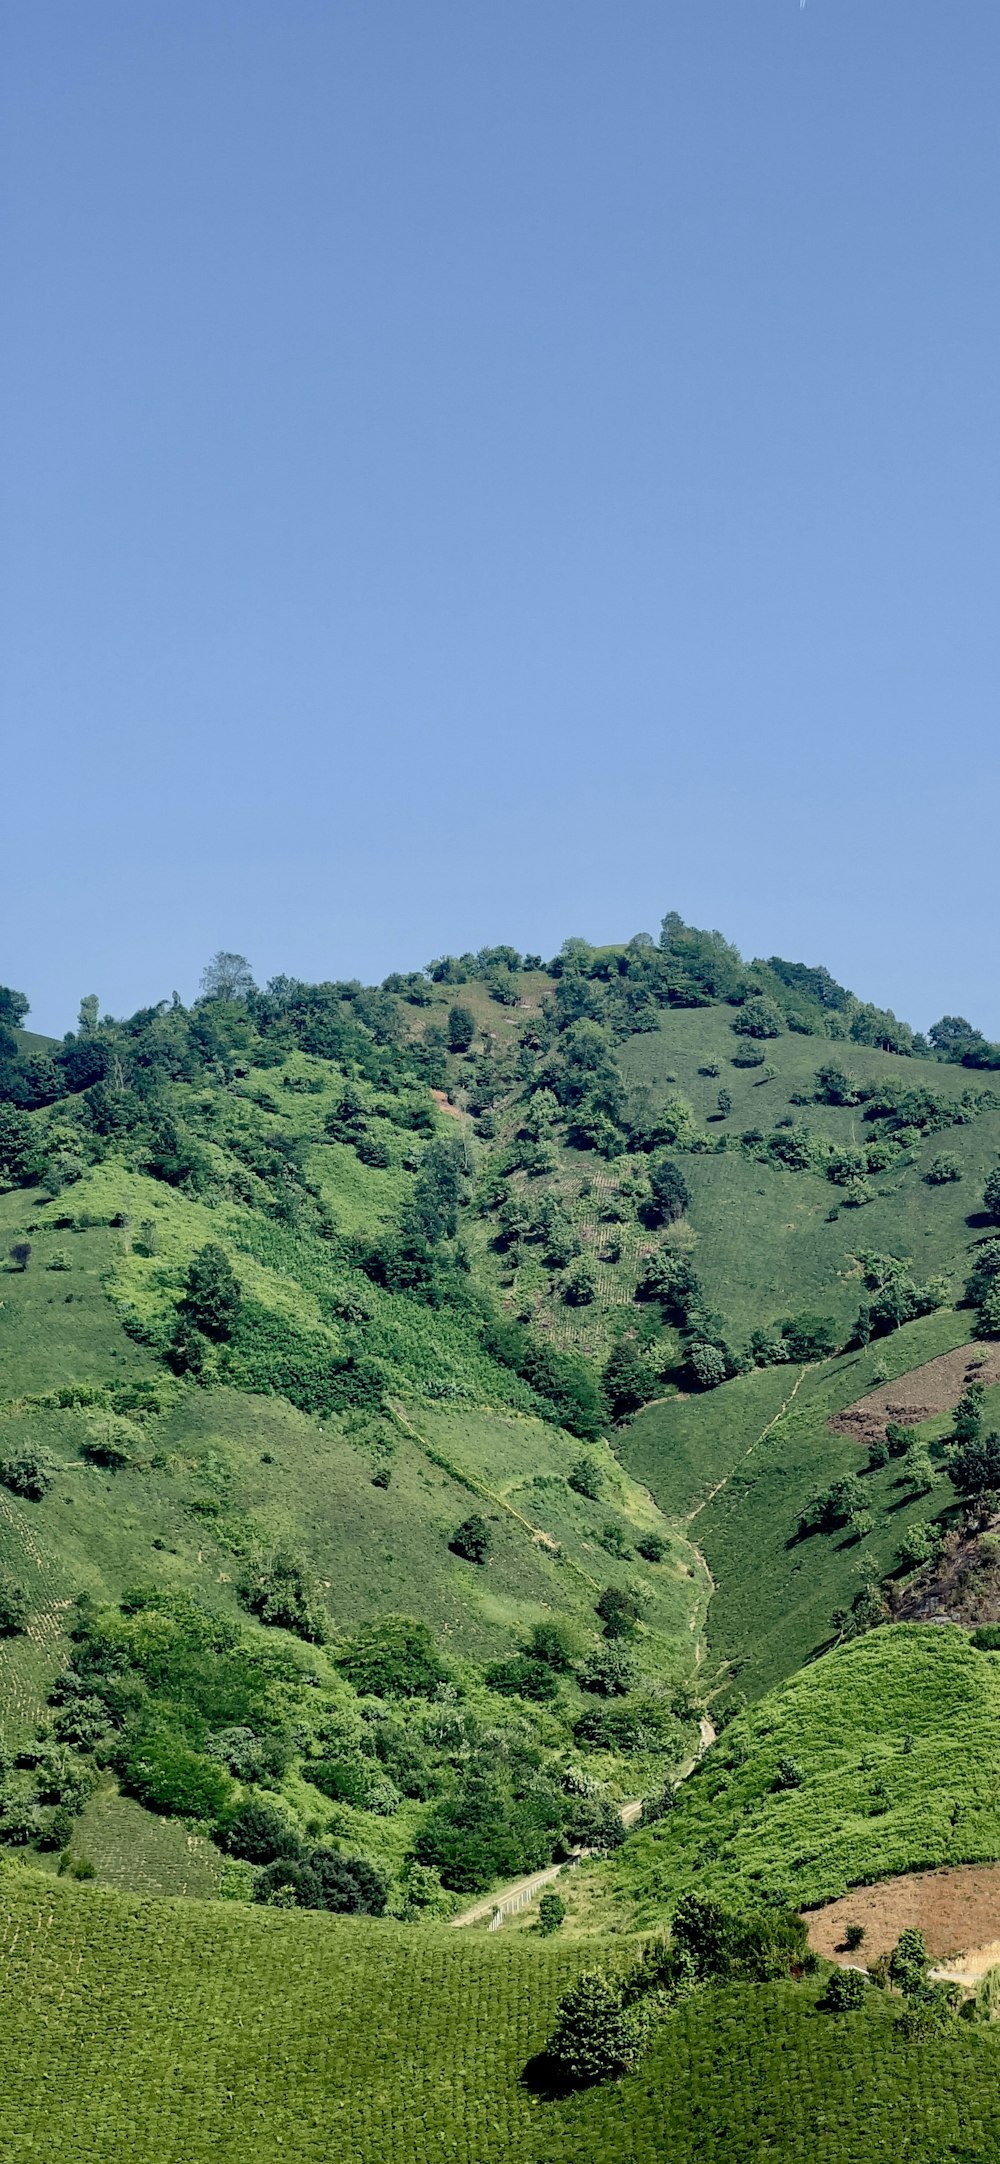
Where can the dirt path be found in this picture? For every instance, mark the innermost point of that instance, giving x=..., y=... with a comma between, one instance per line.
x=751, y=1447
x=957, y=1909
x=522, y=1890
x=921, y=1394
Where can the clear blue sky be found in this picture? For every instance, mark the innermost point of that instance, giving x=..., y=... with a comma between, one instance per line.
x=483, y=472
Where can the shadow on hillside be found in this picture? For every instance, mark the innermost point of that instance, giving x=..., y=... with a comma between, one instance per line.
x=544, y=2079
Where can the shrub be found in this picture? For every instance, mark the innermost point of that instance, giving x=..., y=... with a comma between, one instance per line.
x=611, y=1672
x=472, y=1539
x=393, y=1657
x=789, y=1774
x=991, y=1196
x=844, y=1992
x=618, y=1610
x=596, y=2036
x=975, y=1466
x=551, y=1914
x=585, y=1478
x=20, y=1254
x=652, y=1547
x=555, y=1644
x=854, y=1937
x=14, y=1607
x=522, y=1678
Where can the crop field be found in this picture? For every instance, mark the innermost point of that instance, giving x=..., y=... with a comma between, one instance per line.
x=169, y=2032
x=776, y=1595
x=883, y=1757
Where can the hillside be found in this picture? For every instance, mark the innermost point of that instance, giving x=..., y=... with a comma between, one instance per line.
x=427, y=1413
x=166, y=2033
x=882, y=1757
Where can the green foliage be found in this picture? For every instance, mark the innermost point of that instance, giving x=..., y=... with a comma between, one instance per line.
x=596, y=2036
x=472, y=1539
x=28, y=1473
x=279, y=1589
x=551, y=1914
x=15, y=1607
x=461, y=1028
x=212, y=1295
x=393, y=1657
x=910, y=1707
x=844, y=1992
x=585, y=1478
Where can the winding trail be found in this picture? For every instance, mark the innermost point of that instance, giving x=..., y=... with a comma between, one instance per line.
x=748, y=1452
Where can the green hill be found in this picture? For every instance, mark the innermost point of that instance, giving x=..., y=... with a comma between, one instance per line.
x=419, y=1416
x=183, y=2030
x=882, y=1757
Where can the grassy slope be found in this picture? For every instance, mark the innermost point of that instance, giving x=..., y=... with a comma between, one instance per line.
x=897, y=1739
x=776, y=1595
x=168, y=2035
x=220, y=1467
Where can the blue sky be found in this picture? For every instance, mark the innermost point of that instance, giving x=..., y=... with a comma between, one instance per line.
x=481, y=473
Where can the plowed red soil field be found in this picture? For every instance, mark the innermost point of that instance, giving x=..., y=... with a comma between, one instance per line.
x=954, y=1909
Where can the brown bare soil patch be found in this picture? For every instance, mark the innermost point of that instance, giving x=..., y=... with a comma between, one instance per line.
x=455, y=1110
x=921, y=1395
x=955, y=1909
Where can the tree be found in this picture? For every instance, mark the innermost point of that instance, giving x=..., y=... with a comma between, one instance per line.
x=461, y=1028
x=758, y=1018
x=969, y=1413
x=278, y=1588
x=975, y=1466
x=669, y=1191
x=708, y=1365
x=472, y=1539
x=20, y=1254
x=580, y=1283
x=585, y=1478
x=28, y=1474
x=14, y=1609
x=991, y=1195
x=619, y=1612
x=227, y=976
x=258, y=1833
x=725, y=1104
x=551, y=1914
x=629, y=1380
x=942, y=1170
x=88, y=1015
x=652, y=1547
x=14, y=1006
x=212, y=1295
x=596, y=2036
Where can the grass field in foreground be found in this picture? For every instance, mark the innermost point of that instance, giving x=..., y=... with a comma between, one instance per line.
x=894, y=1742
x=172, y=2033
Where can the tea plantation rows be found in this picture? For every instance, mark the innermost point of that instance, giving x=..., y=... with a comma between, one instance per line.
x=172, y=2032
